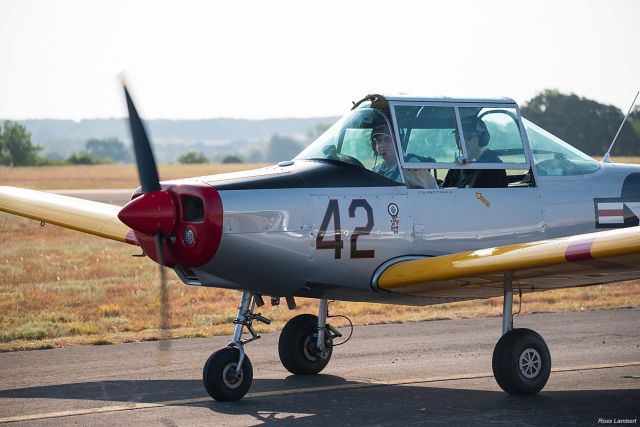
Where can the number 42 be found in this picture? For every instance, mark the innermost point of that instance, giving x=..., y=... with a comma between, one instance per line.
x=333, y=213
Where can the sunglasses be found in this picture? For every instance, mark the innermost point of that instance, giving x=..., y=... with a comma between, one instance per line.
x=380, y=138
x=469, y=135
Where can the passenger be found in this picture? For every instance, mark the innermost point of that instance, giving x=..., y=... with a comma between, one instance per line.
x=477, y=138
x=382, y=145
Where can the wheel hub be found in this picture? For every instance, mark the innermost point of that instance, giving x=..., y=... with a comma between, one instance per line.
x=231, y=378
x=311, y=351
x=530, y=363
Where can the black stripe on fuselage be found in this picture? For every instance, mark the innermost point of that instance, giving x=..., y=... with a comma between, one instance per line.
x=305, y=174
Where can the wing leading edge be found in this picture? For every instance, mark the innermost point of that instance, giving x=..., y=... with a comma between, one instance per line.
x=580, y=260
x=99, y=219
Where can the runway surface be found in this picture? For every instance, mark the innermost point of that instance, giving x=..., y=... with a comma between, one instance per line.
x=435, y=372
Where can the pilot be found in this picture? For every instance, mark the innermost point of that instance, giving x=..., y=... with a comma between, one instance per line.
x=477, y=137
x=382, y=145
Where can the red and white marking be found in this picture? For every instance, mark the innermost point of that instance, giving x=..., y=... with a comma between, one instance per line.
x=611, y=213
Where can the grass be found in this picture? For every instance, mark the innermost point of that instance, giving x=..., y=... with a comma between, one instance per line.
x=105, y=176
x=59, y=287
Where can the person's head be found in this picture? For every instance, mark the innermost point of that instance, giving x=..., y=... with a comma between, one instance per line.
x=381, y=142
x=476, y=135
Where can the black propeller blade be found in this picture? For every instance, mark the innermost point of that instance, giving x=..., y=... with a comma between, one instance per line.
x=150, y=182
x=147, y=169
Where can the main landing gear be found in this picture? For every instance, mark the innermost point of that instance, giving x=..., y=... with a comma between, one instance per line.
x=305, y=347
x=306, y=342
x=521, y=359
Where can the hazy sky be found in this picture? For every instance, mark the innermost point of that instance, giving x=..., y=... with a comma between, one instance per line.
x=259, y=59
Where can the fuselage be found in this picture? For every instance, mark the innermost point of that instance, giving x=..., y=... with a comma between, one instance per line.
x=400, y=178
x=273, y=218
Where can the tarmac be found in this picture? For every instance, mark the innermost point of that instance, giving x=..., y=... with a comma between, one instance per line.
x=426, y=373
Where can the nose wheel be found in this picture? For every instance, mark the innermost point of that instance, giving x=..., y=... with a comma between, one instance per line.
x=228, y=373
x=222, y=378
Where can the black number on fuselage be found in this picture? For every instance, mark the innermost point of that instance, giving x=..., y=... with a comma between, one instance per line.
x=361, y=231
x=333, y=211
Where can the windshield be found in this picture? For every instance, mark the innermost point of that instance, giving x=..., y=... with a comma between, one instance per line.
x=429, y=134
x=361, y=138
x=554, y=157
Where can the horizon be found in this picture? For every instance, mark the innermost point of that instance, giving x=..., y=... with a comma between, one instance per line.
x=335, y=116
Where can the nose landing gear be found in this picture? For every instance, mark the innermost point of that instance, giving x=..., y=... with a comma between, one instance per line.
x=228, y=373
x=305, y=347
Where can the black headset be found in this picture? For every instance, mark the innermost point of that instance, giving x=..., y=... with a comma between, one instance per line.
x=472, y=126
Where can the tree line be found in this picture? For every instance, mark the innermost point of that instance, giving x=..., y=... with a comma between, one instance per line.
x=584, y=123
x=16, y=149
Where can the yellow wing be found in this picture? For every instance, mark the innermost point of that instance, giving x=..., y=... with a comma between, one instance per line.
x=580, y=260
x=100, y=219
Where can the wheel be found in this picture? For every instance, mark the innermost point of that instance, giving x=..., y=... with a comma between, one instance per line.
x=219, y=375
x=297, y=347
x=521, y=362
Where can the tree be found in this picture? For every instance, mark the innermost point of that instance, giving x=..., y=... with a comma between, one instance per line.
x=108, y=149
x=16, y=148
x=5, y=159
x=282, y=148
x=584, y=123
x=313, y=133
x=231, y=159
x=83, y=158
x=255, y=156
x=191, y=157
x=634, y=118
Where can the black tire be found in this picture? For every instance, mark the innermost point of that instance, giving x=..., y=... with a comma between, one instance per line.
x=219, y=378
x=521, y=362
x=297, y=346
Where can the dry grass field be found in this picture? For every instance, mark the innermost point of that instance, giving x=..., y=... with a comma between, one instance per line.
x=105, y=176
x=59, y=287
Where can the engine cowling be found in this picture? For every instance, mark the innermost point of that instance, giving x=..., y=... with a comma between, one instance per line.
x=189, y=216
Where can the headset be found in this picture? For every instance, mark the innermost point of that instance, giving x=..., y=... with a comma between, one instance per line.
x=472, y=126
x=379, y=128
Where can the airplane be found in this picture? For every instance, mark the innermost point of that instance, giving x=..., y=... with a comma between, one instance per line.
x=404, y=200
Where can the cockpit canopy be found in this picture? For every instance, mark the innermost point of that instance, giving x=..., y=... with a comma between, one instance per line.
x=448, y=134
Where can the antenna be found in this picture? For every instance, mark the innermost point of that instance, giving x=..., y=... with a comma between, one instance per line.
x=607, y=158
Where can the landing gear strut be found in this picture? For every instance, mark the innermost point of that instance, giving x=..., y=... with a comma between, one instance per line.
x=306, y=342
x=228, y=373
x=521, y=359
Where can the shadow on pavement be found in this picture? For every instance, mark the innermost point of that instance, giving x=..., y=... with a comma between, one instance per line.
x=377, y=405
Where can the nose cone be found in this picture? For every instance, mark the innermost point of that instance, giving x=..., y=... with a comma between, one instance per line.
x=150, y=213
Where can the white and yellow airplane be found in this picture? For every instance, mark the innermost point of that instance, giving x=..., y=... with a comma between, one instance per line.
x=403, y=201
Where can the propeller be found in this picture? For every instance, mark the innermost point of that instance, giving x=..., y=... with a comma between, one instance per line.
x=154, y=212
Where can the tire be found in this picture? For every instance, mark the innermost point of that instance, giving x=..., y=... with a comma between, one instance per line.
x=297, y=346
x=521, y=362
x=218, y=375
